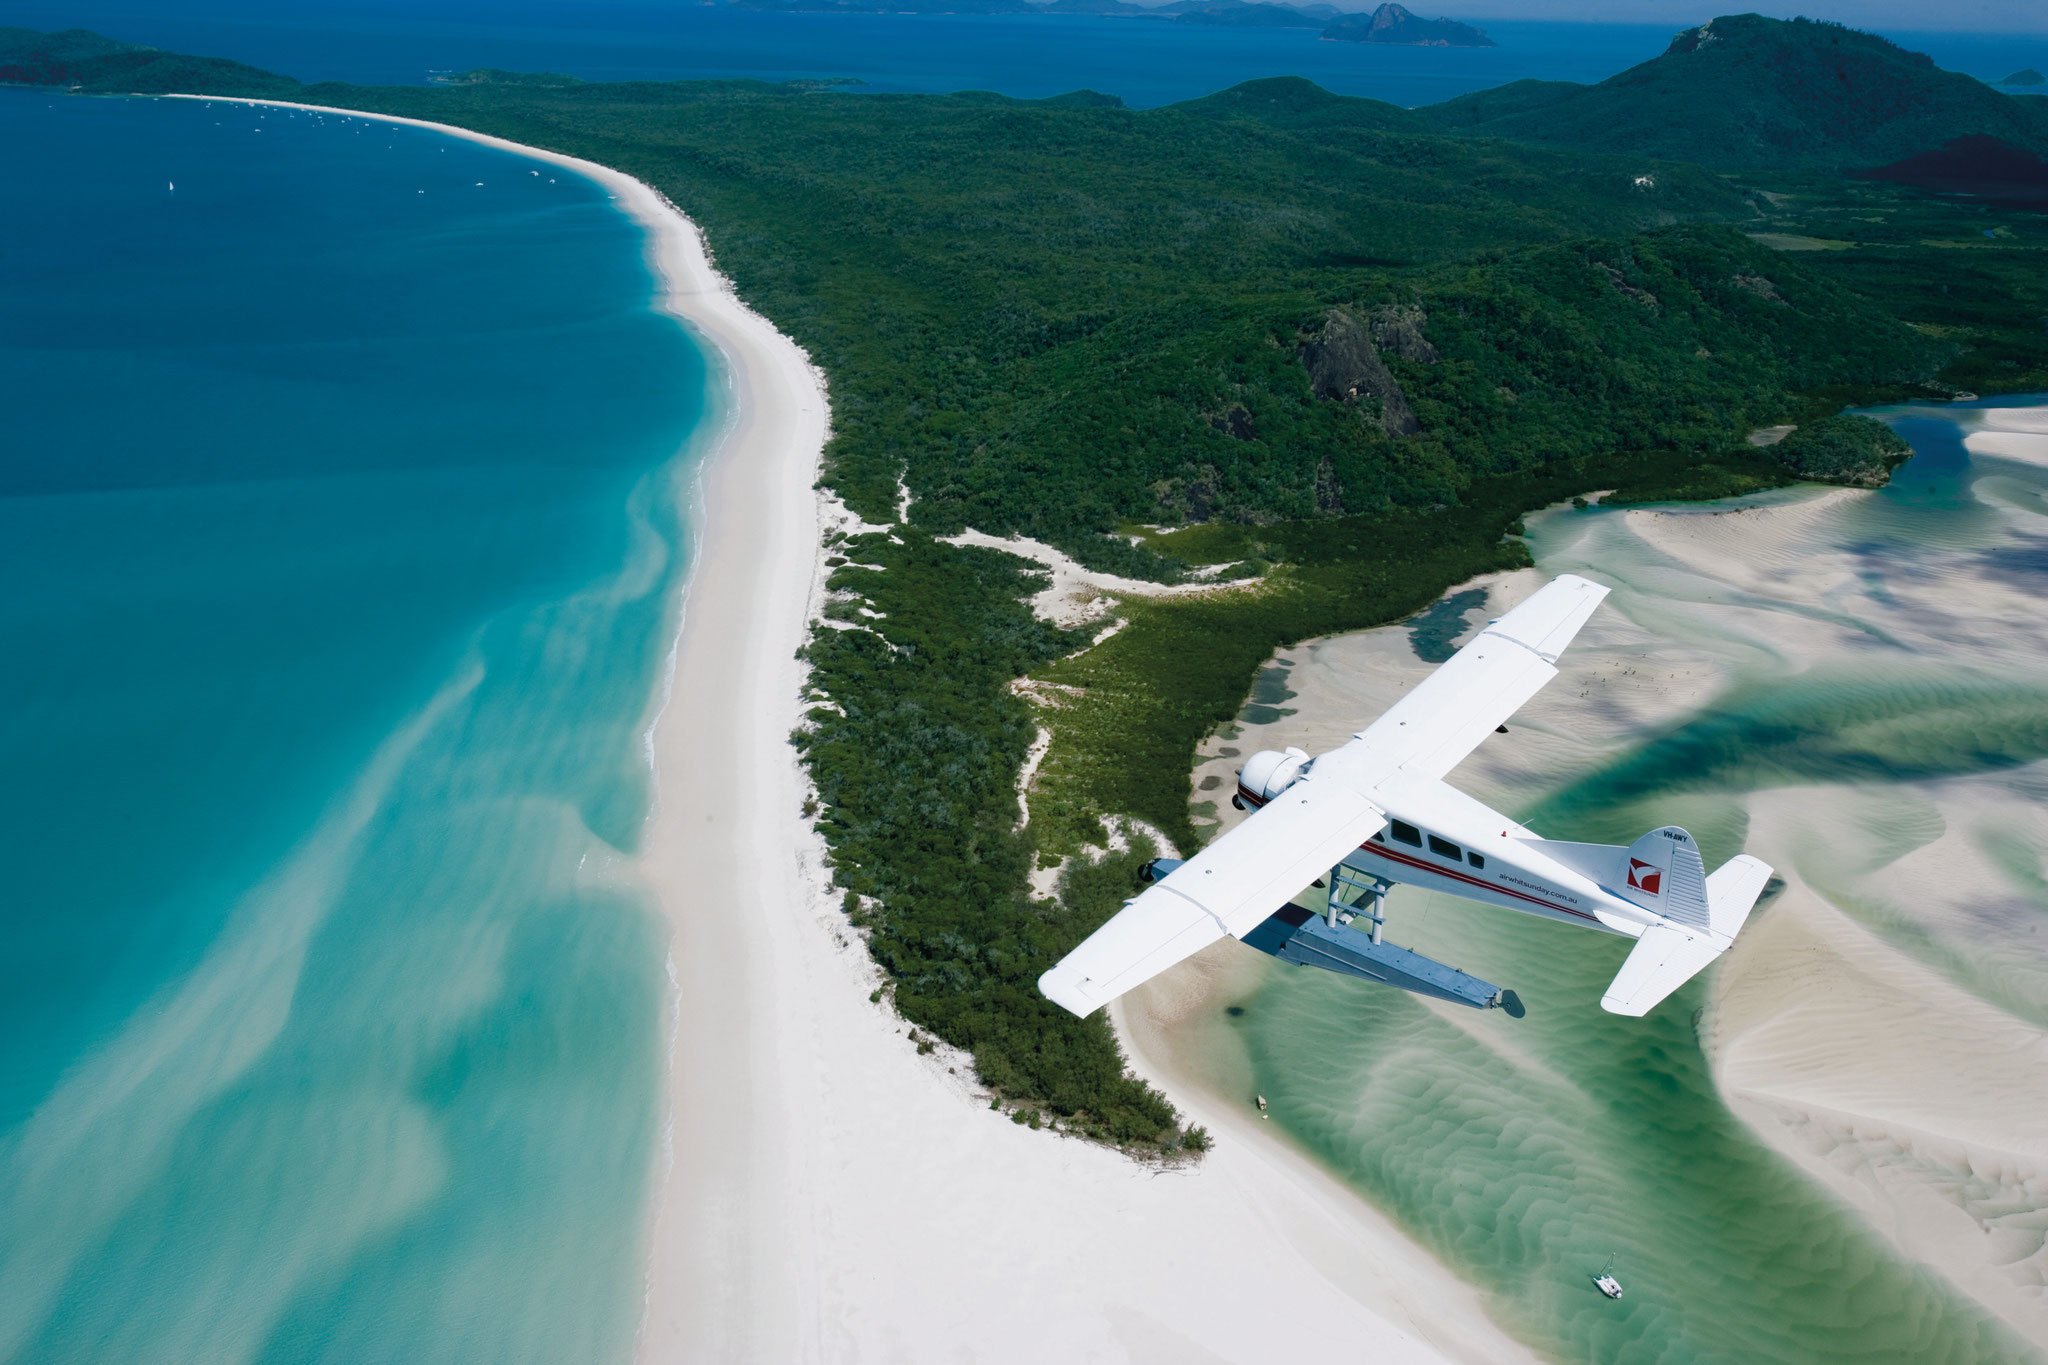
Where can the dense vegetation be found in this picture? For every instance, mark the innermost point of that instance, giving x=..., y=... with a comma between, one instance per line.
x=1745, y=92
x=1860, y=451
x=1321, y=340
x=915, y=744
x=1969, y=274
x=76, y=58
x=1055, y=318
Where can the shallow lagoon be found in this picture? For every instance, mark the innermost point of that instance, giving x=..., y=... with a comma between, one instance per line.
x=1837, y=689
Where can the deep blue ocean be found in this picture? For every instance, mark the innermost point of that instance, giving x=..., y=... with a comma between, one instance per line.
x=1144, y=61
x=337, y=539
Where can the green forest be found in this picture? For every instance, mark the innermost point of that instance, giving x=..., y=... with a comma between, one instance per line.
x=1336, y=343
x=1056, y=318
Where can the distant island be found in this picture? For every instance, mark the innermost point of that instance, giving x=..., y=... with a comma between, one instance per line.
x=1394, y=24
x=1390, y=23
x=1746, y=92
x=2029, y=76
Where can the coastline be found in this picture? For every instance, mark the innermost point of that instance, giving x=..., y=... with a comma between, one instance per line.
x=791, y=1219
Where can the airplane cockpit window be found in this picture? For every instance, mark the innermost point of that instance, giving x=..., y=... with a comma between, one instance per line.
x=1406, y=833
x=1444, y=848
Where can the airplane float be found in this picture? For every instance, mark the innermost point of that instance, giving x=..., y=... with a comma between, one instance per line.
x=1376, y=812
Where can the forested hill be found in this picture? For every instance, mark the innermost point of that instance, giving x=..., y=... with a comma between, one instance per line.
x=1746, y=92
x=79, y=59
x=1055, y=320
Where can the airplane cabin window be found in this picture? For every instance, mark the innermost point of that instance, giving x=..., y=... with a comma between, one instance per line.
x=1475, y=859
x=1444, y=848
x=1407, y=833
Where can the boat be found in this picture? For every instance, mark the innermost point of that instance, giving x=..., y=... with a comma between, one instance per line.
x=1605, y=1281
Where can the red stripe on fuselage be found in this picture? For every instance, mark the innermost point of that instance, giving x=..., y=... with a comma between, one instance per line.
x=1458, y=876
x=1462, y=876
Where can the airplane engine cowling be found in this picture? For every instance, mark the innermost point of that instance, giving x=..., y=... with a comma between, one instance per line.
x=1266, y=774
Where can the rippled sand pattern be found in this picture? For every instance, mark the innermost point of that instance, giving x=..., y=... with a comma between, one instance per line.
x=1835, y=1147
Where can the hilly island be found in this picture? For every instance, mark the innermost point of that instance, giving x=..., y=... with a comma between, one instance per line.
x=1325, y=346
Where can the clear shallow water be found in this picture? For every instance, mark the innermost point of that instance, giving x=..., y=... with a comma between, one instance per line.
x=1525, y=1152
x=336, y=536
x=1146, y=62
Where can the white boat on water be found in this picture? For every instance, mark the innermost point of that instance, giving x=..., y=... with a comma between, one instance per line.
x=1605, y=1281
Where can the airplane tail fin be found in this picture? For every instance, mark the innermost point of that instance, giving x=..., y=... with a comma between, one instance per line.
x=1670, y=954
x=1662, y=873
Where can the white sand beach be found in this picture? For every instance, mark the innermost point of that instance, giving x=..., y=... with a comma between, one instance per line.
x=826, y=1193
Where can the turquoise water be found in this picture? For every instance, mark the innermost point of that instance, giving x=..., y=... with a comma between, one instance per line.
x=337, y=533
x=1524, y=1152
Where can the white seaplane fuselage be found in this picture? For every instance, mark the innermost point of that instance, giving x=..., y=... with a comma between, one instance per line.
x=1377, y=812
x=1447, y=841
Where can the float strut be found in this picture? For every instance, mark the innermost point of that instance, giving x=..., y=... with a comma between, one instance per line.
x=1372, y=901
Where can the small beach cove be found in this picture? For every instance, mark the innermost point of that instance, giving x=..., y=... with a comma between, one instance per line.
x=1828, y=1148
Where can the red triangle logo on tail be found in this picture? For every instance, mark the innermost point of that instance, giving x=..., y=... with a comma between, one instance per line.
x=1645, y=877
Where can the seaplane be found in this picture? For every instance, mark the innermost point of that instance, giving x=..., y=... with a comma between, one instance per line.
x=1376, y=813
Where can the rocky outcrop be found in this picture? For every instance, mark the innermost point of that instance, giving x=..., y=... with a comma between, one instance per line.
x=1762, y=288
x=1235, y=421
x=1344, y=363
x=1628, y=291
x=1392, y=23
x=1397, y=330
x=1189, y=496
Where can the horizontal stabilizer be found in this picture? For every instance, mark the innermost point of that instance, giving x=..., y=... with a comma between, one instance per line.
x=1668, y=955
x=1732, y=890
x=1664, y=958
x=1230, y=887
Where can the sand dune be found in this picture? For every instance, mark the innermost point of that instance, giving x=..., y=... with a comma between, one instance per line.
x=1916, y=1102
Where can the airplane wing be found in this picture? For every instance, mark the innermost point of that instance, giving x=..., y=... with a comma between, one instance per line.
x=1230, y=887
x=1429, y=731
